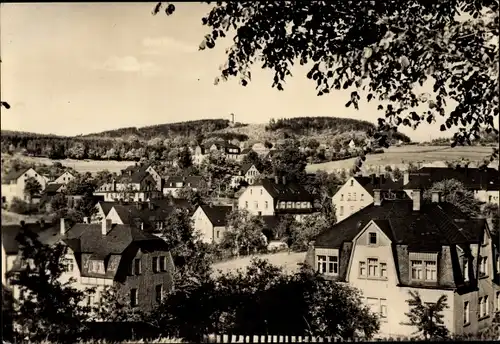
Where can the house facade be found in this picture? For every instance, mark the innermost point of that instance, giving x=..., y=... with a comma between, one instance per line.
x=210, y=221
x=131, y=186
x=13, y=184
x=227, y=149
x=249, y=173
x=271, y=197
x=64, y=178
x=175, y=183
x=395, y=246
x=147, y=216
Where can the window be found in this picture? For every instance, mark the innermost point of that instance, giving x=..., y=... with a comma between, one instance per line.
x=246, y=204
x=351, y=208
x=266, y=204
x=321, y=264
x=341, y=197
x=217, y=234
x=362, y=268
x=383, y=270
x=341, y=211
x=348, y=196
x=466, y=312
x=383, y=308
x=483, y=266
x=416, y=270
x=96, y=267
x=155, y=264
x=354, y=196
x=159, y=293
x=133, y=298
x=352, y=182
x=251, y=191
x=361, y=197
x=430, y=271
x=483, y=306
x=90, y=300
x=163, y=263
x=333, y=265
x=256, y=205
x=261, y=191
x=137, y=266
x=372, y=238
x=466, y=270
x=69, y=265
x=372, y=267
x=497, y=307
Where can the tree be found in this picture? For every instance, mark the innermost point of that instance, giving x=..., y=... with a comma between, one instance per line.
x=289, y=162
x=313, y=144
x=427, y=317
x=397, y=174
x=385, y=52
x=184, y=159
x=454, y=192
x=48, y=309
x=243, y=232
x=32, y=187
x=195, y=198
x=264, y=299
x=305, y=231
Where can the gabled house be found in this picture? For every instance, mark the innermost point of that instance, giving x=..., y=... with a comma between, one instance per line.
x=64, y=178
x=249, y=173
x=351, y=145
x=13, y=184
x=357, y=193
x=53, y=189
x=276, y=197
x=138, y=264
x=175, y=183
x=227, y=149
x=395, y=246
x=135, y=184
x=485, y=184
x=198, y=154
x=210, y=221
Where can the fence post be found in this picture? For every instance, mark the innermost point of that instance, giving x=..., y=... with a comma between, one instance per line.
x=225, y=338
x=280, y=339
x=262, y=339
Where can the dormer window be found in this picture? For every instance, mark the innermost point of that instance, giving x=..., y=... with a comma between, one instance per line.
x=372, y=238
x=483, y=266
x=466, y=270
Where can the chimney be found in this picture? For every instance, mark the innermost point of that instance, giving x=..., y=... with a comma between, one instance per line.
x=382, y=179
x=377, y=199
x=406, y=177
x=436, y=196
x=276, y=179
x=373, y=176
x=130, y=173
x=284, y=180
x=114, y=184
x=105, y=226
x=62, y=228
x=417, y=194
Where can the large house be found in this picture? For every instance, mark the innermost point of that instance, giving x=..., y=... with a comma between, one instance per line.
x=13, y=184
x=210, y=221
x=64, y=178
x=485, y=184
x=276, y=197
x=227, y=149
x=358, y=191
x=135, y=184
x=394, y=246
x=175, y=183
x=249, y=173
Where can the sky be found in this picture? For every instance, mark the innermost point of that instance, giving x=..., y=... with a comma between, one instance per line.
x=79, y=68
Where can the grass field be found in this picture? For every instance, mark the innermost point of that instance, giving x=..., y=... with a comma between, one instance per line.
x=287, y=261
x=9, y=218
x=401, y=156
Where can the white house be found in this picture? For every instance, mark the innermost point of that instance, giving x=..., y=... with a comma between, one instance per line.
x=13, y=184
x=352, y=145
x=64, y=178
x=175, y=183
x=248, y=173
x=210, y=221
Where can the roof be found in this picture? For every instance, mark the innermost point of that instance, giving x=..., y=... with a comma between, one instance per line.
x=106, y=206
x=285, y=192
x=246, y=167
x=217, y=214
x=246, y=150
x=134, y=176
x=148, y=213
x=47, y=234
x=430, y=228
x=15, y=174
x=370, y=183
x=472, y=178
x=53, y=187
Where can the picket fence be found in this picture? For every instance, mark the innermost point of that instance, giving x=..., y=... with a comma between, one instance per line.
x=226, y=338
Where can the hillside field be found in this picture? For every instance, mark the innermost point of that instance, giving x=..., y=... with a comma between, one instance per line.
x=401, y=156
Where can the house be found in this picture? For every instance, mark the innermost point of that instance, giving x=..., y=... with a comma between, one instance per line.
x=198, y=154
x=271, y=197
x=249, y=173
x=227, y=149
x=13, y=184
x=485, y=184
x=141, y=168
x=357, y=193
x=135, y=184
x=175, y=183
x=351, y=145
x=53, y=189
x=138, y=264
x=64, y=178
x=394, y=246
x=148, y=216
x=210, y=221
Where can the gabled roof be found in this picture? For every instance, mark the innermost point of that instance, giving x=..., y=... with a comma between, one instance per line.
x=246, y=167
x=370, y=183
x=15, y=174
x=106, y=206
x=217, y=214
x=53, y=187
x=194, y=181
x=146, y=213
x=472, y=178
x=286, y=192
x=134, y=176
x=430, y=228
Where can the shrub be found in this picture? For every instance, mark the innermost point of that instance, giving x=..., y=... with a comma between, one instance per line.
x=19, y=206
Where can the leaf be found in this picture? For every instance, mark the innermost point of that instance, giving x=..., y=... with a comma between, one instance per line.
x=369, y=97
x=157, y=8
x=380, y=107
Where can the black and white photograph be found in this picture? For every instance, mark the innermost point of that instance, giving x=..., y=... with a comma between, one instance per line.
x=250, y=171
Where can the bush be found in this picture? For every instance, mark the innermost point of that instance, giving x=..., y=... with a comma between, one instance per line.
x=19, y=206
